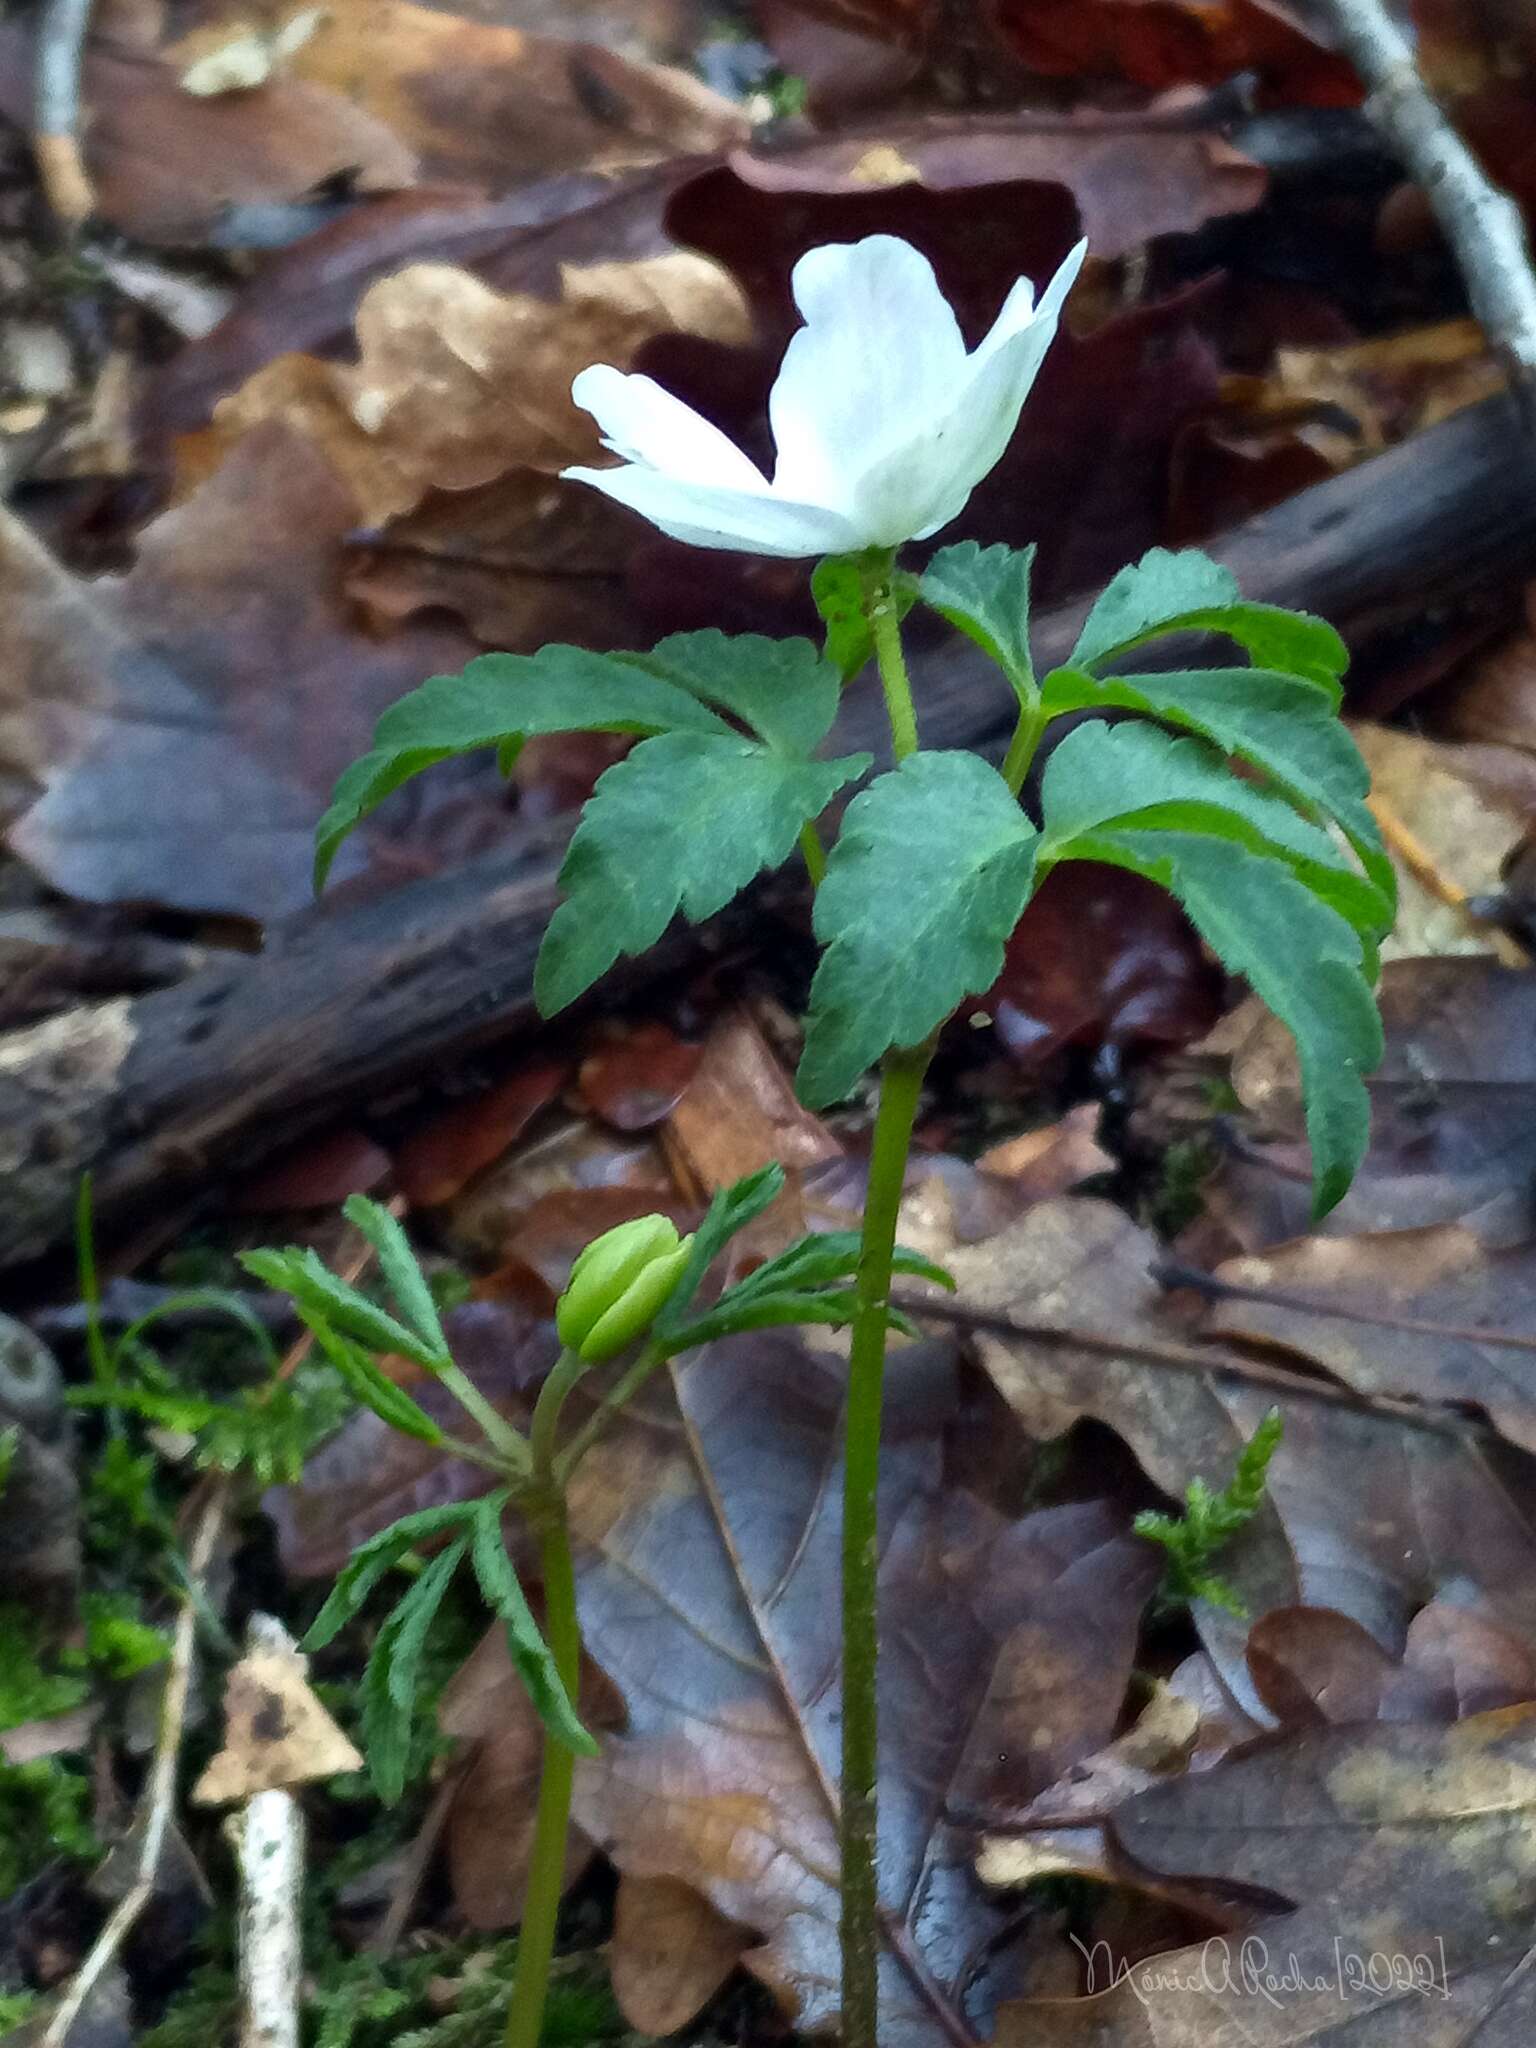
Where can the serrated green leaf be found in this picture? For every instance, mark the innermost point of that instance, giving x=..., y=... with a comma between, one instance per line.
x=685, y=822
x=370, y=1387
x=837, y=585
x=785, y=690
x=819, y=1259
x=530, y=1653
x=1298, y=954
x=397, y=1262
x=1281, y=724
x=368, y=1564
x=316, y=1291
x=929, y=876
x=985, y=593
x=1139, y=775
x=1186, y=592
x=390, y=1680
x=498, y=701
x=731, y=1210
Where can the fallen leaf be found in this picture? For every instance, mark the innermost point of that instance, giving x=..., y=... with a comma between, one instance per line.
x=708, y=1552
x=186, y=722
x=670, y=1952
x=1398, y=1858
x=441, y=1157
x=488, y=105
x=276, y=1733
x=635, y=1077
x=1314, y=1667
x=457, y=385
x=165, y=164
x=1052, y=1160
x=739, y=1112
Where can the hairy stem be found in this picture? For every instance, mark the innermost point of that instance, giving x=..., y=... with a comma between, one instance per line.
x=900, y=1086
x=619, y=1394
x=546, y=1870
x=880, y=608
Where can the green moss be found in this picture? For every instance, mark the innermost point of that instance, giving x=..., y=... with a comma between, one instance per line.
x=44, y=1818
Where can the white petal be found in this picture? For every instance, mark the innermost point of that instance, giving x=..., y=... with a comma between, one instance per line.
x=714, y=516
x=919, y=488
x=879, y=354
x=647, y=424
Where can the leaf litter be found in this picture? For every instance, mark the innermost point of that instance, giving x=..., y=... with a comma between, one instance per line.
x=421, y=223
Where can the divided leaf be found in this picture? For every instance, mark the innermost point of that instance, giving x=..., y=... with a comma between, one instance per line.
x=1284, y=725
x=406, y=1281
x=321, y=1297
x=1186, y=592
x=390, y=1682
x=499, y=701
x=930, y=874
x=684, y=822
x=732, y=1209
x=530, y=1653
x=1261, y=919
x=985, y=593
x=785, y=690
x=368, y=1564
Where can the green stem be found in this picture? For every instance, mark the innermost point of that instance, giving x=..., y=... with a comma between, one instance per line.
x=622, y=1391
x=1021, y=748
x=563, y=1375
x=546, y=1869
x=813, y=853
x=510, y=1447
x=884, y=618
x=900, y=1087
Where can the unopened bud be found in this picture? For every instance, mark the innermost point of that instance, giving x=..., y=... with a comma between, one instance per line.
x=619, y=1285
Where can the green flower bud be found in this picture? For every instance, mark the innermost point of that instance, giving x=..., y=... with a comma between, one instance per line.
x=618, y=1286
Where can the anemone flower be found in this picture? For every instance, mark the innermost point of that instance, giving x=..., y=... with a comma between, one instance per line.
x=882, y=421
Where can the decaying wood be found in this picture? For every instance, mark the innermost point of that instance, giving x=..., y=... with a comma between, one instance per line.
x=169, y=1091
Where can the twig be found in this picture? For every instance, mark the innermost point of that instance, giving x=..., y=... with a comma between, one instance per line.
x=1481, y=222
x=1190, y=1359
x=61, y=28
x=160, y=1787
x=413, y=1870
x=268, y=1834
x=1214, y=1288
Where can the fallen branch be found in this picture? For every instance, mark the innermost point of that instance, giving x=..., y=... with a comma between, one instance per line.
x=61, y=29
x=164, y=1093
x=1482, y=223
x=160, y=1787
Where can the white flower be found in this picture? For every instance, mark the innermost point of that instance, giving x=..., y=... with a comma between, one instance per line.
x=883, y=423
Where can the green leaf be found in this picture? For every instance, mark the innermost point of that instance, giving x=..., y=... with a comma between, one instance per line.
x=1186, y=592
x=498, y=701
x=316, y=1291
x=530, y=1653
x=389, y=1682
x=1282, y=724
x=816, y=1260
x=731, y=1210
x=397, y=1262
x=785, y=690
x=368, y=1564
x=1299, y=955
x=1137, y=774
x=837, y=585
x=985, y=593
x=370, y=1387
x=930, y=873
x=684, y=822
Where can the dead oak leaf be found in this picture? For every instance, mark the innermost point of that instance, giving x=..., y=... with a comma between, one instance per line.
x=185, y=723
x=456, y=384
x=1399, y=1867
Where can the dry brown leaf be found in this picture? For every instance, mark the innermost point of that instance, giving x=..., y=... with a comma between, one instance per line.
x=488, y=105
x=457, y=385
x=276, y=1733
x=670, y=1952
x=739, y=1113
x=1449, y=837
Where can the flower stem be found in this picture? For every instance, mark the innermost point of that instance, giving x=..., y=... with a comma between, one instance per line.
x=546, y=1870
x=1021, y=748
x=900, y=1087
x=880, y=608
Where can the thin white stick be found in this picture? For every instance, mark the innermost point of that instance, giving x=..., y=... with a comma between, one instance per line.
x=1482, y=223
x=269, y=1842
x=160, y=1787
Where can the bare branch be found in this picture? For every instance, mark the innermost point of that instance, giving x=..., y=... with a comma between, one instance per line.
x=1482, y=223
x=61, y=29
